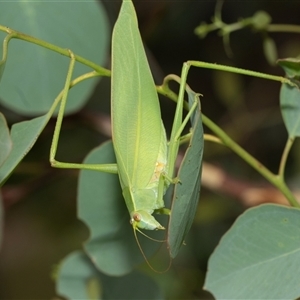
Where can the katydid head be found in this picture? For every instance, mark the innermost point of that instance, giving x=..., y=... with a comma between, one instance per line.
x=143, y=220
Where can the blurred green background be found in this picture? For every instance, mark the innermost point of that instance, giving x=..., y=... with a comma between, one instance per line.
x=40, y=202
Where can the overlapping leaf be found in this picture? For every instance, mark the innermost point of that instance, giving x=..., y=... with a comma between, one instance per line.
x=23, y=135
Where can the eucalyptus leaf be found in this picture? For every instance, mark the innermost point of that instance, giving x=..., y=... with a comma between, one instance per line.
x=112, y=246
x=34, y=75
x=78, y=278
x=258, y=256
x=75, y=274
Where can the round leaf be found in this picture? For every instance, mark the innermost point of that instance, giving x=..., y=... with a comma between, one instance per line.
x=76, y=273
x=34, y=75
x=258, y=258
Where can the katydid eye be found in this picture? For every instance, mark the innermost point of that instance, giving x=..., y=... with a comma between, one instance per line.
x=136, y=217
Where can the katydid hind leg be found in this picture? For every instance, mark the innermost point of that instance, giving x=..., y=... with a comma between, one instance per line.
x=109, y=168
x=60, y=116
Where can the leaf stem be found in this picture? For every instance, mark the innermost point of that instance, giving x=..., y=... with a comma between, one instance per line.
x=283, y=28
x=212, y=138
x=285, y=153
x=218, y=67
x=274, y=179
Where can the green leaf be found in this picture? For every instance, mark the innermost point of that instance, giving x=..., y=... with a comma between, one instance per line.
x=34, y=75
x=290, y=109
x=259, y=257
x=186, y=193
x=5, y=140
x=24, y=136
x=101, y=206
x=291, y=66
x=76, y=273
x=79, y=279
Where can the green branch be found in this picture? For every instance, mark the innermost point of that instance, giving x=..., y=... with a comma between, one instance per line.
x=283, y=28
x=274, y=179
x=223, y=138
x=285, y=154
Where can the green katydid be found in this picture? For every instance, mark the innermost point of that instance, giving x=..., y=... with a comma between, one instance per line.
x=145, y=165
x=145, y=160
